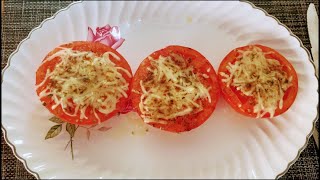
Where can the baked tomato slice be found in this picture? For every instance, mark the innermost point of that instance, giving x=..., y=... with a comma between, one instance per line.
x=175, y=89
x=258, y=89
x=84, y=82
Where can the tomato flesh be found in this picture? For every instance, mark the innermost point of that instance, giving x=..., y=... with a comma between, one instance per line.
x=244, y=104
x=200, y=65
x=98, y=49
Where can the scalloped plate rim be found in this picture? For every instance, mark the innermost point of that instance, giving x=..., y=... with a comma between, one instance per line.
x=24, y=161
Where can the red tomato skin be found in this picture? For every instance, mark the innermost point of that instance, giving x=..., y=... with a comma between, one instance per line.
x=233, y=96
x=200, y=64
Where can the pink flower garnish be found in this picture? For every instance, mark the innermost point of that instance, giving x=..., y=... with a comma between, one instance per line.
x=107, y=35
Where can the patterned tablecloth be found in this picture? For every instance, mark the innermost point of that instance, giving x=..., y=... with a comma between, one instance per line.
x=20, y=17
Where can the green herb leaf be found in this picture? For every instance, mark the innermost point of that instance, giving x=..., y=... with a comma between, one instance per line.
x=54, y=131
x=104, y=128
x=56, y=120
x=71, y=129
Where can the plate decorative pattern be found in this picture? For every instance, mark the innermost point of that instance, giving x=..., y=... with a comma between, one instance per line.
x=226, y=146
x=109, y=36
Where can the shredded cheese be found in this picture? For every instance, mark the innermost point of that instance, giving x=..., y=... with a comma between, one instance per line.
x=257, y=76
x=83, y=79
x=171, y=89
x=205, y=76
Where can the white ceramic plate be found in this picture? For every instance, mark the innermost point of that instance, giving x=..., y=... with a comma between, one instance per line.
x=228, y=145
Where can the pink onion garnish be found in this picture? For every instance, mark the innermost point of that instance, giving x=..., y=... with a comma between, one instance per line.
x=107, y=35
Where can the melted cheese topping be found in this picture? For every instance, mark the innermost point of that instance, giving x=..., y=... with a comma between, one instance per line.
x=171, y=89
x=83, y=79
x=255, y=75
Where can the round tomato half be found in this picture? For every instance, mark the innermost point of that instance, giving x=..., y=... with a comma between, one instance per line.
x=244, y=104
x=83, y=46
x=200, y=66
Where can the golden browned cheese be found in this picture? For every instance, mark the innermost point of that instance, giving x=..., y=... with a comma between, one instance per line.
x=171, y=89
x=255, y=75
x=86, y=79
